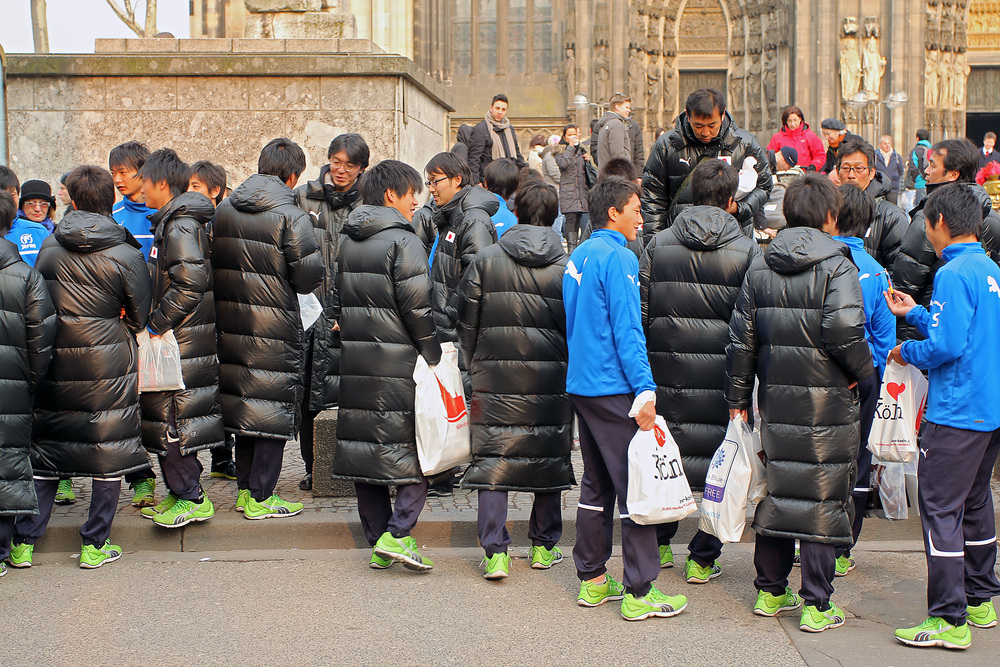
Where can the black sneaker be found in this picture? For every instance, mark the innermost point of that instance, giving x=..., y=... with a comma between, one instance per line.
x=307, y=483
x=224, y=470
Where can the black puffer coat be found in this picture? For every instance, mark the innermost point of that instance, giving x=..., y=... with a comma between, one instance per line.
x=689, y=278
x=423, y=224
x=264, y=254
x=572, y=179
x=512, y=328
x=87, y=420
x=328, y=210
x=384, y=310
x=799, y=325
x=886, y=231
x=183, y=302
x=27, y=330
x=677, y=152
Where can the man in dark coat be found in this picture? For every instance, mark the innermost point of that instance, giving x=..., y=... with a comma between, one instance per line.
x=512, y=327
x=27, y=331
x=177, y=425
x=801, y=308
x=493, y=137
x=383, y=310
x=689, y=278
x=988, y=153
x=328, y=200
x=613, y=137
x=264, y=254
x=100, y=286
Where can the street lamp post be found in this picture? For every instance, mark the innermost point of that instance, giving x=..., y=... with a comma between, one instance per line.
x=862, y=99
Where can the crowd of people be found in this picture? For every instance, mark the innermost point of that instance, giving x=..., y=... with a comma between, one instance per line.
x=671, y=293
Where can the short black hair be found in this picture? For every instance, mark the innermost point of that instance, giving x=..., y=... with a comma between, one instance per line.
x=923, y=135
x=451, y=166
x=958, y=207
x=961, y=156
x=618, y=166
x=8, y=211
x=131, y=154
x=714, y=183
x=354, y=145
x=537, y=204
x=92, y=189
x=211, y=175
x=388, y=175
x=856, y=211
x=527, y=175
x=283, y=158
x=568, y=126
x=502, y=177
x=614, y=192
x=855, y=144
x=704, y=101
x=499, y=97
x=809, y=199
x=8, y=179
x=166, y=165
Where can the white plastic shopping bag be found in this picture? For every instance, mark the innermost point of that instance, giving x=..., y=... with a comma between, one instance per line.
x=309, y=310
x=442, y=421
x=892, y=491
x=658, y=490
x=727, y=484
x=900, y=407
x=758, y=465
x=159, y=362
x=576, y=433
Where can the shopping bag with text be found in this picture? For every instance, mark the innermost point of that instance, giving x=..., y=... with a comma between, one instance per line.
x=893, y=437
x=727, y=484
x=658, y=490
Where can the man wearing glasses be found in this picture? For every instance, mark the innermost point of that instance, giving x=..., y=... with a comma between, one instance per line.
x=35, y=206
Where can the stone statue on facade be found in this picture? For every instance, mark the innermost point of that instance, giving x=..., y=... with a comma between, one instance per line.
x=771, y=87
x=669, y=89
x=569, y=67
x=873, y=67
x=636, y=76
x=931, y=80
x=653, y=90
x=753, y=83
x=602, y=74
x=944, y=75
x=736, y=75
x=850, y=69
x=961, y=72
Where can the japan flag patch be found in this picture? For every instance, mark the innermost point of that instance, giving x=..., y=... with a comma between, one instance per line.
x=152, y=253
x=449, y=237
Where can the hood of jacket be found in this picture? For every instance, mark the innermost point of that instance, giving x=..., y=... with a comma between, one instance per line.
x=467, y=199
x=705, y=227
x=190, y=204
x=796, y=249
x=554, y=149
x=797, y=133
x=608, y=117
x=261, y=192
x=532, y=246
x=8, y=254
x=879, y=187
x=366, y=221
x=724, y=138
x=82, y=231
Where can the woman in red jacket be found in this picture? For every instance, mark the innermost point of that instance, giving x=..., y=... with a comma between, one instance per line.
x=796, y=133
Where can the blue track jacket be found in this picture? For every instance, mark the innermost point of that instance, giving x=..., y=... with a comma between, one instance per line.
x=134, y=217
x=607, y=347
x=880, y=323
x=503, y=219
x=28, y=237
x=961, y=351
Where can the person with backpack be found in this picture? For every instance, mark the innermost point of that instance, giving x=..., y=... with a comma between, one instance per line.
x=916, y=165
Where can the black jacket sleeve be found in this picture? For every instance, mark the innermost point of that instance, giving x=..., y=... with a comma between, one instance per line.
x=478, y=144
x=138, y=288
x=645, y=270
x=741, y=353
x=40, y=322
x=655, y=190
x=843, y=327
x=896, y=223
x=189, y=277
x=911, y=271
x=411, y=282
x=303, y=258
x=470, y=295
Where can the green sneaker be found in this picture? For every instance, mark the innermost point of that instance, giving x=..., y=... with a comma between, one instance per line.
x=165, y=504
x=666, y=556
x=20, y=555
x=64, y=492
x=543, y=559
x=241, y=500
x=379, y=563
x=772, y=605
x=184, y=512
x=936, y=632
x=92, y=558
x=403, y=550
x=593, y=595
x=144, y=490
x=497, y=566
x=696, y=574
x=3, y=568
x=273, y=507
x=981, y=616
x=844, y=565
x=814, y=620
x=653, y=603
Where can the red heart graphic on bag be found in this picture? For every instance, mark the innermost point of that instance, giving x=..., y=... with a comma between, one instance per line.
x=661, y=437
x=895, y=389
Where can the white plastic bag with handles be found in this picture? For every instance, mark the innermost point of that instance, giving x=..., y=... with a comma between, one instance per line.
x=893, y=437
x=442, y=421
x=758, y=464
x=159, y=362
x=727, y=484
x=658, y=490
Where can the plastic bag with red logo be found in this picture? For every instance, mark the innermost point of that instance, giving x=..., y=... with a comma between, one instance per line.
x=442, y=421
x=727, y=484
x=900, y=408
x=159, y=363
x=658, y=490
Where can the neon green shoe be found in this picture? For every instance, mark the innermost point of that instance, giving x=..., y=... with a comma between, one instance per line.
x=274, y=507
x=20, y=555
x=666, y=556
x=92, y=557
x=241, y=500
x=497, y=566
x=3, y=568
x=653, y=603
x=403, y=550
x=593, y=595
x=772, y=605
x=936, y=632
x=981, y=616
x=165, y=504
x=696, y=574
x=543, y=559
x=144, y=493
x=184, y=512
x=814, y=620
x=844, y=565
x=379, y=563
x=64, y=492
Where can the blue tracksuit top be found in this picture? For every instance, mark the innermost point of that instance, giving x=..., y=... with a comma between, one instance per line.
x=607, y=347
x=503, y=219
x=27, y=236
x=961, y=351
x=134, y=217
x=880, y=323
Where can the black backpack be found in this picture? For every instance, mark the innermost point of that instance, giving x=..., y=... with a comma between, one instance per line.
x=920, y=152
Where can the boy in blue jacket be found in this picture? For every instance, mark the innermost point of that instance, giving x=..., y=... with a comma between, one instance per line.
x=960, y=438
x=609, y=382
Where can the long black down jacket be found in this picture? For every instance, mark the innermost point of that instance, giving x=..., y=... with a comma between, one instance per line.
x=512, y=328
x=264, y=254
x=677, y=152
x=87, y=420
x=328, y=210
x=885, y=234
x=689, y=278
x=423, y=224
x=384, y=310
x=799, y=324
x=27, y=330
x=183, y=302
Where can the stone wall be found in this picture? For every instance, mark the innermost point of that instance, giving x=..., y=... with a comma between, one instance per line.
x=220, y=100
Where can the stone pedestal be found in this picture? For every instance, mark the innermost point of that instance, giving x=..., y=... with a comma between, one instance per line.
x=298, y=19
x=324, y=448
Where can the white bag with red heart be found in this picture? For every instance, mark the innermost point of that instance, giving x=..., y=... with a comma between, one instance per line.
x=897, y=417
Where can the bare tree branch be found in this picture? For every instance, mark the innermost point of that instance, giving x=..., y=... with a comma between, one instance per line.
x=127, y=18
x=39, y=26
x=150, y=18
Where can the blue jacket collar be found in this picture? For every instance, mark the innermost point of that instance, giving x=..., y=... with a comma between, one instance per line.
x=853, y=242
x=959, y=249
x=135, y=207
x=611, y=235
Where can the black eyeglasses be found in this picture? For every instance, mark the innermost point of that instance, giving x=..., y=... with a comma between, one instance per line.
x=433, y=184
x=854, y=170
